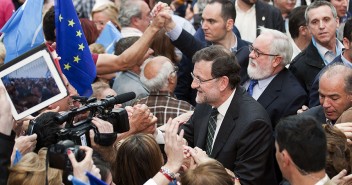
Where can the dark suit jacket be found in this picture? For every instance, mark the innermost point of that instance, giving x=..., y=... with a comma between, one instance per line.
x=313, y=93
x=269, y=17
x=6, y=143
x=244, y=143
x=283, y=96
x=189, y=45
x=306, y=65
x=317, y=112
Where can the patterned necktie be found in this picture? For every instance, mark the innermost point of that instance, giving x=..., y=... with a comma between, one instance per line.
x=211, y=130
x=252, y=83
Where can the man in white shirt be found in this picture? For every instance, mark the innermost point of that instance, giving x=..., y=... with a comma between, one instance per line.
x=301, y=148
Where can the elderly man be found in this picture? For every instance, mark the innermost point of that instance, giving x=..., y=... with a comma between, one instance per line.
x=159, y=76
x=221, y=124
x=301, y=150
x=270, y=83
x=322, y=21
x=134, y=18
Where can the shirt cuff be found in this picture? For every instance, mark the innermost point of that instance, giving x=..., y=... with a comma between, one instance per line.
x=159, y=137
x=174, y=33
x=150, y=182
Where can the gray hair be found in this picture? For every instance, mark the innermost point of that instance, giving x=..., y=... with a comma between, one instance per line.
x=317, y=4
x=340, y=69
x=161, y=79
x=280, y=44
x=128, y=10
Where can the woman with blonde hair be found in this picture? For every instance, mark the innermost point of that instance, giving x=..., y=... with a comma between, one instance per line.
x=31, y=170
x=104, y=13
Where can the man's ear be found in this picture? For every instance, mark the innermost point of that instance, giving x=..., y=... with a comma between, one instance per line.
x=230, y=23
x=224, y=82
x=277, y=61
x=346, y=43
x=172, y=78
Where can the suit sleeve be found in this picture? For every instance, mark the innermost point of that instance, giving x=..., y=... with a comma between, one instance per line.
x=189, y=131
x=6, y=143
x=255, y=159
x=187, y=44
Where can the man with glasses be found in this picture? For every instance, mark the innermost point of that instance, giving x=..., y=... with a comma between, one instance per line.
x=227, y=123
x=322, y=22
x=270, y=82
x=159, y=76
x=218, y=20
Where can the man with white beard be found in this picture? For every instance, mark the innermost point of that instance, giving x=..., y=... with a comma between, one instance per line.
x=271, y=84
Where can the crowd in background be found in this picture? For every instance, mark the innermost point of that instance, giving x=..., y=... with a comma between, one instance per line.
x=250, y=92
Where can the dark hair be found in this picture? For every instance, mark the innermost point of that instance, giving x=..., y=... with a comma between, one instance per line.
x=103, y=166
x=317, y=4
x=124, y=43
x=163, y=46
x=90, y=30
x=46, y=128
x=138, y=159
x=224, y=63
x=347, y=30
x=228, y=10
x=49, y=25
x=303, y=137
x=296, y=19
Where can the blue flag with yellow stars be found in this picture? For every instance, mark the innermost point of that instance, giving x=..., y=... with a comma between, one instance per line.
x=76, y=60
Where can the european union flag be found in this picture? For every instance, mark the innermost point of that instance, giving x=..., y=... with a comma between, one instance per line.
x=23, y=31
x=76, y=60
x=108, y=37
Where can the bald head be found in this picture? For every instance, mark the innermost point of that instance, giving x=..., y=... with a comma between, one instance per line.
x=158, y=73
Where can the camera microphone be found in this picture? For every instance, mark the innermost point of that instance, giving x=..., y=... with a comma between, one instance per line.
x=122, y=98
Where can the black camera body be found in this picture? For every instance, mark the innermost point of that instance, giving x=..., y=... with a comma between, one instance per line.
x=104, y=109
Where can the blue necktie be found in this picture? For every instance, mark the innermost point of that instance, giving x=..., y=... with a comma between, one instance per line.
x=252, y=83
x=211, y=130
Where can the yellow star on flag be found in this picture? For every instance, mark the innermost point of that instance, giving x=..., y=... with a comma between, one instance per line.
x=80, y=47
x=60, y=18
x=67, y=66
x=78, y=33
x=71, y=23
x=76, y=59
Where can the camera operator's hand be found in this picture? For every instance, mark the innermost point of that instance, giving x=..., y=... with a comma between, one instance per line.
x=26, y=144
x=6, y=121
x=142, y=120
x=87, y=164
x=103, y=126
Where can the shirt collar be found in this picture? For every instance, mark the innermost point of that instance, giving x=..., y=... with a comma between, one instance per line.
x=265, y=82
x=323, y=50
x=225, y=106
x=323, y=180
x=345, y=61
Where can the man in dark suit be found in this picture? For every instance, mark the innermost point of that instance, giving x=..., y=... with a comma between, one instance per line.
x=253, y=14
x=322, y=22
x=269, y=82
x=230, y=125
x=345, y=58
x=218, y=21
x=301, y=149
x=335, y=94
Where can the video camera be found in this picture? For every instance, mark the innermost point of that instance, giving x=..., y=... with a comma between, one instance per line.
x=103, y=109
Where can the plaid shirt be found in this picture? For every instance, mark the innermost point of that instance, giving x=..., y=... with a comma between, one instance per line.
x=165, y=105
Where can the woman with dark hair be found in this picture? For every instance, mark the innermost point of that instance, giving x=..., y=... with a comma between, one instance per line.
x=138, y=159
x=90, y=30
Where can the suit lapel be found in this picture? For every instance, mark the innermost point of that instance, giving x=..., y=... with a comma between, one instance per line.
x=272, y=91
x=228, y=124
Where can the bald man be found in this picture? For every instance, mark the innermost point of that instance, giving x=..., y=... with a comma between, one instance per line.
x=159, y=76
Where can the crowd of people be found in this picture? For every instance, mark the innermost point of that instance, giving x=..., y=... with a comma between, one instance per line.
x=249, y=92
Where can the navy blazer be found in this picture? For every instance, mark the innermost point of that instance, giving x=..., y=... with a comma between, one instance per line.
x=189, y=45
x=306, y=65
x=244, y=143
x=313, y=93
x=283, y=96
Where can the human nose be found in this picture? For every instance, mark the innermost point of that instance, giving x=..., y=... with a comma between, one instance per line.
x=326, y=103
x=195, y=84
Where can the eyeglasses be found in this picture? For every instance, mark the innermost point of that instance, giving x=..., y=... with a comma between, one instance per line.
x=257, y=52
x=199, y=81
x=175, y=69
